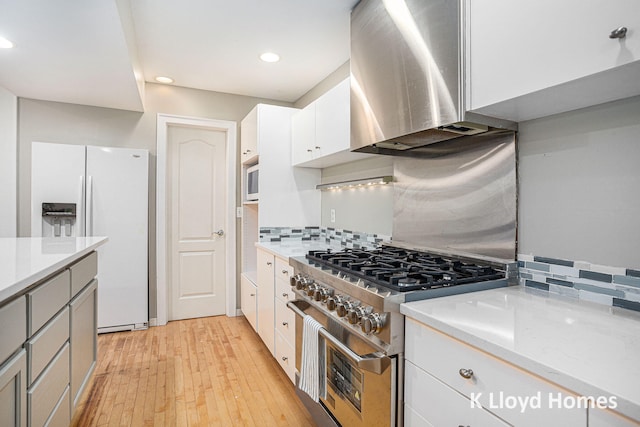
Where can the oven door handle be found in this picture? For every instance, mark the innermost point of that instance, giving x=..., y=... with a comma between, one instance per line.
x=374, y=362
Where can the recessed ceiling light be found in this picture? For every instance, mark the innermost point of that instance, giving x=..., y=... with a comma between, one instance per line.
x=270, y=57
x=5, y=44
x=163, y=79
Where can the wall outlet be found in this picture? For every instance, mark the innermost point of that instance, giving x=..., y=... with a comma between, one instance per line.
x=239, y=212
x=333, y=215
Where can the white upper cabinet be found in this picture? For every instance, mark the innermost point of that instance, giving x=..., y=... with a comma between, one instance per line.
x=321, y=131
x=249, y=138
x=530, y=59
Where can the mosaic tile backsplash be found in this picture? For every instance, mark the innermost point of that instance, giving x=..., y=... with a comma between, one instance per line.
x=613, y=286
x=346, y=238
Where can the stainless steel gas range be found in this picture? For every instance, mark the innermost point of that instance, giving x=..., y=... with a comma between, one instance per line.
x=356, y=295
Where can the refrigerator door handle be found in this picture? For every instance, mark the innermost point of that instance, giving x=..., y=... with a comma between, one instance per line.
x=80, y=223
x=89, y=215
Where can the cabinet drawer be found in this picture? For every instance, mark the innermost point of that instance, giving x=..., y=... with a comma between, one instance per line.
x=285, y=355
x=61, y=416
x=283, y=269
x=44, y=395
x=285, y=322
x=83, y=272
x=493, y=380
x=45, y=344
x=13, y=333
x=440, y=405
x=283, y=290
x=413, y=419
x=46, y=300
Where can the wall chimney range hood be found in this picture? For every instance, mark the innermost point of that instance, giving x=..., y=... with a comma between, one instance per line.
x=408, y=76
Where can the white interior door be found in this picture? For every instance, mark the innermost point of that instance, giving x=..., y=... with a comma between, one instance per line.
x=198, y=207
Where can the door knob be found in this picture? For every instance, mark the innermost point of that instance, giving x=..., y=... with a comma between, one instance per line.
x=219, y=232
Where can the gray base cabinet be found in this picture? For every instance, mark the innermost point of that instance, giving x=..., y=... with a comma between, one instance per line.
x=13, y=386
x=48, y=349
x=84, y=339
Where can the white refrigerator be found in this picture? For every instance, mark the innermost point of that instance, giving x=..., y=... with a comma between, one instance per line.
x=99, y=191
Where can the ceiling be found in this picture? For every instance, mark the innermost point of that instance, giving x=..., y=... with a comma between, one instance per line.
x=100, y=52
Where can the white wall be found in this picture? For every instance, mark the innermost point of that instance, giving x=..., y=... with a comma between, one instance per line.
x=579, y=182
x=8, y=162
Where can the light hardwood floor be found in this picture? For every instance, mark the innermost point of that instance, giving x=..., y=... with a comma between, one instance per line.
x=212, y=371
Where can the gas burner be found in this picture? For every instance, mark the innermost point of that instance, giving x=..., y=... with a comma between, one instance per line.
x=404, y=270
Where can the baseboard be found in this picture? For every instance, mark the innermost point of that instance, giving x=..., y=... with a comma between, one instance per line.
x=153, y=321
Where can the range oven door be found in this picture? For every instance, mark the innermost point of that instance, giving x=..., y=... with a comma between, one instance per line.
x=361, y=383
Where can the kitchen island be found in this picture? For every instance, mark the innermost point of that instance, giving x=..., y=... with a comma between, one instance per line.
x=48, y=313
x=551, y=344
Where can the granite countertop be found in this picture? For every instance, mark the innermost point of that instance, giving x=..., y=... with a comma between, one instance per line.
x=293, y=248
x=588, y=348
x=26, y=260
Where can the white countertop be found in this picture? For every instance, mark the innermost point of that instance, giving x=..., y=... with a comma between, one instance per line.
x=588, y=348
x=293, y=248
x=26, y=260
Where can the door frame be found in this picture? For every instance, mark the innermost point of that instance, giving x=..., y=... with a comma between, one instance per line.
x=162, y=284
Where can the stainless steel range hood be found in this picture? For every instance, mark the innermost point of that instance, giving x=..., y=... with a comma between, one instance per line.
x=408, y=76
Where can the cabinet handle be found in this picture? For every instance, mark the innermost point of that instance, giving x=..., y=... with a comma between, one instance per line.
x=285, y=358
x=285, y=323
x=248, y=151
x=269, y=263
x=618, y=33
x=285, y=295
x=285, y=271
x=317, y=147
x=309, y=150
x=252, y=295
x=466, y=373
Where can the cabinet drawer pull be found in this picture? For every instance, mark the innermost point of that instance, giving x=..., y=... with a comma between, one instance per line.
x=466, y=373
x=285, y=323
x=285, y=295
x=317, y=147
x=285, y=271
x=309, y=150
x=269, y=263
x=618, y=33
x=252, y=295
x=285, y=358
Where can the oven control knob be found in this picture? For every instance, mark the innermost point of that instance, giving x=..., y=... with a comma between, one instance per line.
x=343, y=308
x=295, y=279
x=355, y=314
x=317, y=294
x=311, y=288
x=333, y=301
x=372, y=323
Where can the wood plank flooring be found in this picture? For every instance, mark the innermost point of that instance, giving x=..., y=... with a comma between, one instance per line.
x=213, y=371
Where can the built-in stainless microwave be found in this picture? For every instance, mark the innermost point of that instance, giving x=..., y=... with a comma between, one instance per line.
x=251, y=183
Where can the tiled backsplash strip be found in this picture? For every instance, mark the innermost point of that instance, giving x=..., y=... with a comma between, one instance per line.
x=346, y=238
x=613, y=286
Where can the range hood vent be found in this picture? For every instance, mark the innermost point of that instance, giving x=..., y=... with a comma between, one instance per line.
x=408, y=75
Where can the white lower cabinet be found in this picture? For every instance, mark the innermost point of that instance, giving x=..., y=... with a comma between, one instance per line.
x=266, y=288
x=249, y=299
x=13, y=391
x=470, y=376
x=605, y=418
x=433, y=403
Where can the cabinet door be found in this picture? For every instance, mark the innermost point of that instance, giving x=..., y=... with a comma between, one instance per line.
x=603, y=418
x=333, y=120
x=303, y=134
x=13, y=391
x=249, y=137
x=248, y=300
x=266, y=295
x=83, y=335
x=518, y=48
